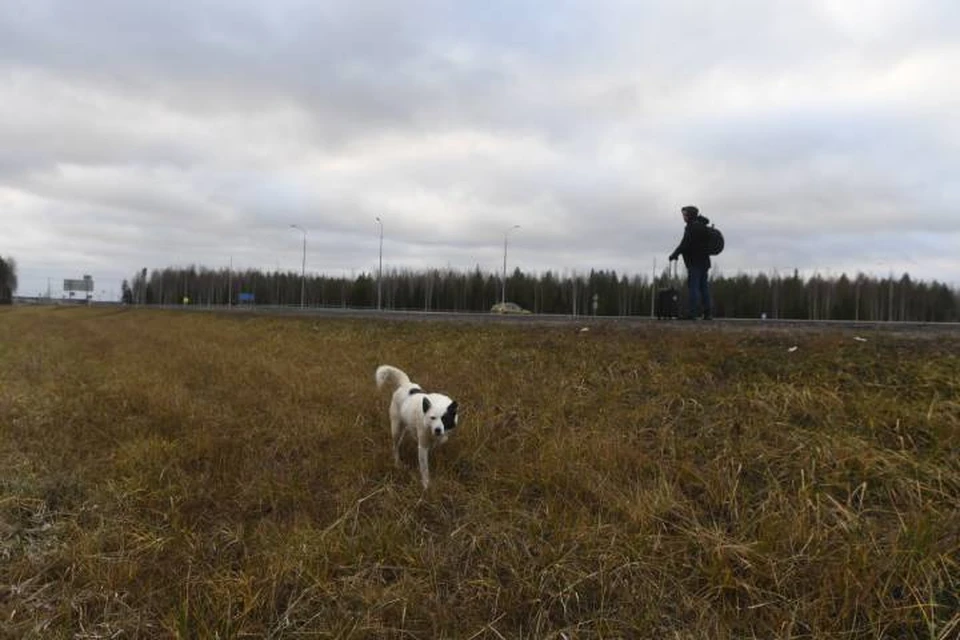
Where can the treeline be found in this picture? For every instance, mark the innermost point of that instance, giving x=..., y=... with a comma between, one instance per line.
x=600, y=292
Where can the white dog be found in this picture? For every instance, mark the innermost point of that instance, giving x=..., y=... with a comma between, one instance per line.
x=429, y=417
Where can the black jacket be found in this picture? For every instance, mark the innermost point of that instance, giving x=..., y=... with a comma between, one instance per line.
x=695, y=243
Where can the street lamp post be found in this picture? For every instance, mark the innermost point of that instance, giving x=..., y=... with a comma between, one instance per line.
x=303, y=266
x=380, y=269
x=503, y=294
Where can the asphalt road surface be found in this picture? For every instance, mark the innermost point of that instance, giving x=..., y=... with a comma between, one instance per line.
x=565, y=320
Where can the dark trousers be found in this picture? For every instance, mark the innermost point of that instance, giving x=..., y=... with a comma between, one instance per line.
x=698, y=284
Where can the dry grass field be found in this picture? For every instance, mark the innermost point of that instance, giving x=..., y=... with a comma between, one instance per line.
x=181, y=475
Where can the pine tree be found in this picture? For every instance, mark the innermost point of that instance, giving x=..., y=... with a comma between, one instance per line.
x=8, y=279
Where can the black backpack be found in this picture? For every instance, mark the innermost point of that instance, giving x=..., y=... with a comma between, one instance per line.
x=714, y=240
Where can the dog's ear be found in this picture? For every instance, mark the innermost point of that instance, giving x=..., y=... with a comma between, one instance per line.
x=426, y=404
x=452, y=408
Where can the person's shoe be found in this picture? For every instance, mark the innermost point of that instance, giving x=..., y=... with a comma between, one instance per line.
x=708, y=317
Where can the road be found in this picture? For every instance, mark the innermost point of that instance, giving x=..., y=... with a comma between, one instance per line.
x=568, y=320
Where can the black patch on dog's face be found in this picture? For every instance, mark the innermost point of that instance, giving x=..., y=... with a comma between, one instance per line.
x=414, y=391
x=449, y=418
x=426, y=404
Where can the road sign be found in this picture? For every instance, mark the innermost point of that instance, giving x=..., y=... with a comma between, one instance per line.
x=86, y=284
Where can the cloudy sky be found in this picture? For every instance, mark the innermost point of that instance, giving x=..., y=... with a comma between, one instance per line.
x=818, y=134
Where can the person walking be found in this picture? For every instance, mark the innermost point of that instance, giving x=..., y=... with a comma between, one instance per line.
x=694, y=247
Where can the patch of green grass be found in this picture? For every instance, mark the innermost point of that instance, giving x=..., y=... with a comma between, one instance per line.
x=169, y=474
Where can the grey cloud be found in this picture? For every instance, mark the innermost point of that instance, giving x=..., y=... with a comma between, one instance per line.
x=206, y=128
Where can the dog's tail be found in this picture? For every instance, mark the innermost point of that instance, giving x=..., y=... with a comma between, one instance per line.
x=386, y=373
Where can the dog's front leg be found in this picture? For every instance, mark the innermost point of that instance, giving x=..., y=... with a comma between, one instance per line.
x=424, y=466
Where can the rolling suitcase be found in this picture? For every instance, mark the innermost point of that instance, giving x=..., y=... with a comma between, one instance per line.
x=668, y=298
x=668, y=303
